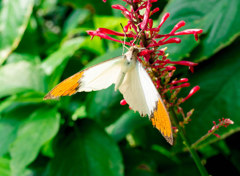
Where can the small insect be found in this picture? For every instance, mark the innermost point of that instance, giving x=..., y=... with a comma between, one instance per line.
x=130, y=78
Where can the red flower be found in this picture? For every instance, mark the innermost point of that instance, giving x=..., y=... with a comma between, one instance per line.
x=222, y=123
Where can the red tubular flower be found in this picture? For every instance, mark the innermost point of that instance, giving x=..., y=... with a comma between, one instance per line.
x=217, y=135
x=150, y=23
x=111, y=32
x=178, y=26
x=102, y=35
x=179, y=81
x=180, y=86
x=146, y=16
x=155, y=10
x=164, y=18
x=228, y=122
x=175, y=28
x=169, y=68
x=123, y=102
x=171, y=40
x=185, y=63
x=125, y=12
x=191, y=93
x=222, y=123
x=195, y=32
x=158, y=84
x=145, y=52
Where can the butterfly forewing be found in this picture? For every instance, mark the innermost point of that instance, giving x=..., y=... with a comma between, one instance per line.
x=101, y=76
x=93, y=78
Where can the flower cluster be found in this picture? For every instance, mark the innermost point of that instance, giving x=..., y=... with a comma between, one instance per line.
x=222, y=123
x=142, y=33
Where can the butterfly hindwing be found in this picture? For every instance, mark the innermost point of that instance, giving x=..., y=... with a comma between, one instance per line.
x=133, y=92
x=142, y=96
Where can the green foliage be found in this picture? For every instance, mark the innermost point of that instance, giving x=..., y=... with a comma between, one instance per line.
x=220, y=91
x=40, y=127
x=85, y=149
x=15, y=82
x=218, y=19
x=44, y=42
x=13, y=24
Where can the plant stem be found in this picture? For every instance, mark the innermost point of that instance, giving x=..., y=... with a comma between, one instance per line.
x=194, y=154
x=195, y=144
x=222, y=123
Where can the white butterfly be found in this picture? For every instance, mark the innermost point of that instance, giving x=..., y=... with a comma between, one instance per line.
x=130, y=78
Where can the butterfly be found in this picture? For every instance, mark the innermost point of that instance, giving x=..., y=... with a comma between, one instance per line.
x=130, y=78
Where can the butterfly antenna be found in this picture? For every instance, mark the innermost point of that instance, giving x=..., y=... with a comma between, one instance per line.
x=138, y=36
x=125, y=36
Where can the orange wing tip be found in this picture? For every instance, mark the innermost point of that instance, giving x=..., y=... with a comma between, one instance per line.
x=49, y=96
x=161, y=120
x=169, y=139
x=67, y=87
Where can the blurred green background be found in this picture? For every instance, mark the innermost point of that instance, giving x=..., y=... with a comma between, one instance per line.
x=90, y=134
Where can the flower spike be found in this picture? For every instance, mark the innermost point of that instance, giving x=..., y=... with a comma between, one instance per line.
x=142, y=33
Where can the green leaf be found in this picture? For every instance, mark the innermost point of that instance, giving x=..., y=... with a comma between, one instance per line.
x=56, y=59
x=77, y=17
x=110, y=22
x=86, y=150
x=41, y=126
x=146, y=162
x=5, y=167
x=31, y=39
x=80, y=112
x=99, y=7
x=140, y=162
x=14, y=17
x=128, y=122
x=104, y=105
x=25, y=97
x=47, y=149
x=186, y=168
x=17, y=57
x=96, y=46
x=9, y=128
x=218, y=148
x=106, y=56
x=48, y=6
x=208, y=151
x=223, y=31
x=20, y=76
x=54, y=64
x=12, y=115
x=218, y=96
x=219, y=20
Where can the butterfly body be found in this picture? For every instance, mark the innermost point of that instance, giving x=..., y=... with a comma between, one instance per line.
x=130, y=60
x=130, y=78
